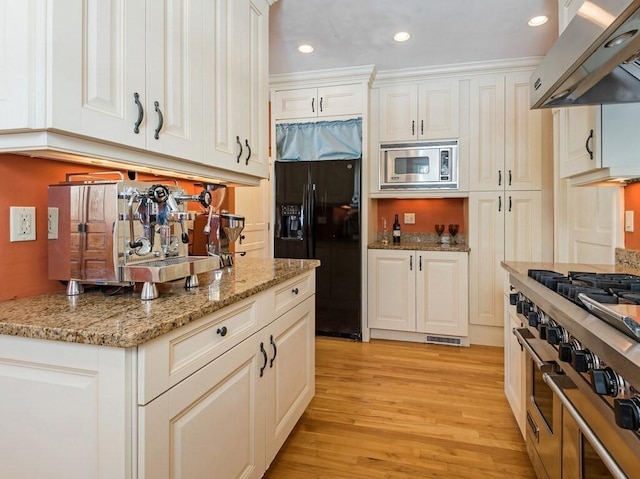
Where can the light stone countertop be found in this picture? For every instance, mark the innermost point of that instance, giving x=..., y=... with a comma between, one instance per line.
x=125, y=320
x=420, y=246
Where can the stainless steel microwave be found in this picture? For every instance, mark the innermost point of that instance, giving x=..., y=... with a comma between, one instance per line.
x=425, y=165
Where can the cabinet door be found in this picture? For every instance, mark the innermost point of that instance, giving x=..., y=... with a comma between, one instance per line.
x=438, y=116
x=209, y=425
x=290, y=375
x=97, y=66
x=174, y=78
x=486, y=244
x=221, y=93
x=486, y=143
x=442, y=293
x=523, y=226
x=300, y=103
x=254, y=203
x=398, y=113
x=340, y=100
x=256, y=92
x=579, y=140
x=514, y=366
x=392, y=290
x=523, y=136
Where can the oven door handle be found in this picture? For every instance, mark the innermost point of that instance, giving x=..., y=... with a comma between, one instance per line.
x=614, y=469
x=522, y=334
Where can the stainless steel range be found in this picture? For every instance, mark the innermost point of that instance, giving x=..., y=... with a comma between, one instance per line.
x=582, y=373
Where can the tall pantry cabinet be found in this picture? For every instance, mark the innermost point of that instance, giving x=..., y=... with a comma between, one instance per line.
x=505, y=199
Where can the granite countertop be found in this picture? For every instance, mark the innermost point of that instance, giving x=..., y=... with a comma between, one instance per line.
x=420, y=246
x=564, y=268
x=125, y=320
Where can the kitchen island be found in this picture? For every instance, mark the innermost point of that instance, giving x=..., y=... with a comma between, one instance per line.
x=211, y=379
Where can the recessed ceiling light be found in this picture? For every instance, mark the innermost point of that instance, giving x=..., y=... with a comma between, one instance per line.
x=537, y=21
x=305, y=48
x=402, y=36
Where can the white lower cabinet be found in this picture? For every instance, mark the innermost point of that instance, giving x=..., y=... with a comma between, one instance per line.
x=215, y=398
x=231, y=417
x=418, y=291
x=514, y=366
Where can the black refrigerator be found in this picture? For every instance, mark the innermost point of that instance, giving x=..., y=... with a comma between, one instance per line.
x=318, y=216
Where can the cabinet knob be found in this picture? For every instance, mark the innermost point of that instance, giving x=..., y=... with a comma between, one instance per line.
x=294, y=290
x=222, y=331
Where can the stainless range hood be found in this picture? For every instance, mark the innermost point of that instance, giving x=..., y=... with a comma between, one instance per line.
x=595, y=60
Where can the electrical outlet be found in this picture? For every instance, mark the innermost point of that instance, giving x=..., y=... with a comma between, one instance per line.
x=52, y=223
x=22, y=223
x=409, y=218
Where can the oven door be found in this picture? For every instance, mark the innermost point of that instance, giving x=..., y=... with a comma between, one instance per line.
x=412, y=167
x=544, y=411
x=583, y=455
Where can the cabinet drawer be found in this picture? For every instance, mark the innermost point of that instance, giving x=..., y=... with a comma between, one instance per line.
x=294, y=291
x=167, y=360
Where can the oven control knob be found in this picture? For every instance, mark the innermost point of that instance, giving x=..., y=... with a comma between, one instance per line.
x=604, y=381
x=542, y=331
x=627, y=413
x=554, y=334
x=582, y=360
x=513, y=298
x=564, y=351
x=534, y=319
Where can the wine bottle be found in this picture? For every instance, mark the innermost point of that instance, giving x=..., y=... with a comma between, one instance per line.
x=396, y=230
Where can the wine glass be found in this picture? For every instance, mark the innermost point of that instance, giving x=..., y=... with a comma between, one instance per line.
x=439, y=229
x=453, y=231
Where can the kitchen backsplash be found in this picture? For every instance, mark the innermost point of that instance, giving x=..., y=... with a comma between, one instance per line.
x=428, y=213
x=25, y=181
x=632, y=203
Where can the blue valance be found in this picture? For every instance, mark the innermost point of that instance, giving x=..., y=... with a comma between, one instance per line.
x=322, y=140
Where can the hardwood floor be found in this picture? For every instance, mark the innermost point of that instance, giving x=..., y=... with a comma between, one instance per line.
x=393, y=410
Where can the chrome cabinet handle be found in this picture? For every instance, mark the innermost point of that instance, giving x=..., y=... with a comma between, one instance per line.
x=275, y=351
x=586, y=145
x=240, y=145
x=136, y=126
x=156, y=135
x=264, y=356
x=246, y=142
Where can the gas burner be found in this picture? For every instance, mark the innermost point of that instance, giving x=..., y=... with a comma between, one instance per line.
x=606, y=288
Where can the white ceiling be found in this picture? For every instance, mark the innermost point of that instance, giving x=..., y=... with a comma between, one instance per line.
x=347, y=33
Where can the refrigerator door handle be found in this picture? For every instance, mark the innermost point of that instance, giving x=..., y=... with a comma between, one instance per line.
x=306, y=219
x=313, y=223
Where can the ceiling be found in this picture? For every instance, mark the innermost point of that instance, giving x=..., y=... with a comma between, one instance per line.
x=348, y=33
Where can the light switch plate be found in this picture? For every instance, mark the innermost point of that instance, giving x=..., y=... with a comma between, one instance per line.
x=52, y=223
x=409, y=218
x=628, y=221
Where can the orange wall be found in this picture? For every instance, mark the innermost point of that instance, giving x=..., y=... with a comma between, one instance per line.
x=429, y=212
x=632, y=202
x=23, y=265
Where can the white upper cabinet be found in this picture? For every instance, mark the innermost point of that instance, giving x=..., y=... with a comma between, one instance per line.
x=427, y=110
x=155, y=83
x=130, y=75
x=236, y=67
x=505, y=148
x=318, y=102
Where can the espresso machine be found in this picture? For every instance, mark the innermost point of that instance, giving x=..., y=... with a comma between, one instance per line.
x=121, y=232
x=231, y=231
